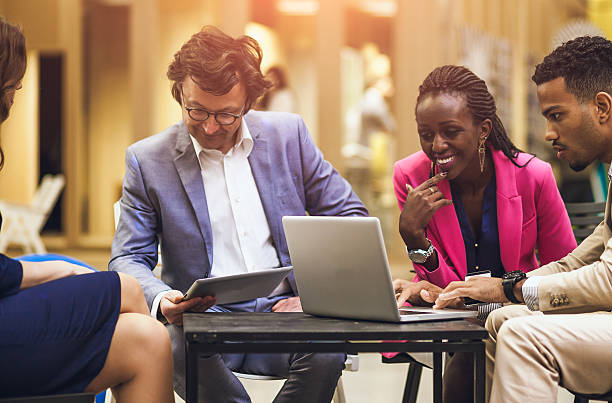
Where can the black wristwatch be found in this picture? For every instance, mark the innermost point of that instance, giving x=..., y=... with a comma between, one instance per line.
x=509, y=280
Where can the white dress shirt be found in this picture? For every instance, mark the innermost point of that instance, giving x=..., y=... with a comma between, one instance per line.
x=242, y=241
x=241, y=236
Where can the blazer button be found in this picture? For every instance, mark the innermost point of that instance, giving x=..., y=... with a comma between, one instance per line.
x=554, y=302
x=566, y=300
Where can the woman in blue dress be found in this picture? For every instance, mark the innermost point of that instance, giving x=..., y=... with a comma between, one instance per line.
x=65, y=328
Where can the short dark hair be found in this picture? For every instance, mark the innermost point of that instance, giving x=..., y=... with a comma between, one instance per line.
x=585, y=63
x=462, y=81
x=217, y=62
x=12, y=67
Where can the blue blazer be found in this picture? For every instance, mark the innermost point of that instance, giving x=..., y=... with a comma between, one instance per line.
x=164, y=200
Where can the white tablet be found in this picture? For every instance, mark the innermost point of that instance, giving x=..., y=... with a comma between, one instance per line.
x=239, y=287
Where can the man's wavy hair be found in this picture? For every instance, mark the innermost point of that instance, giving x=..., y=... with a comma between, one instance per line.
x=585, y=63
x=217, y=62
x=12, y=67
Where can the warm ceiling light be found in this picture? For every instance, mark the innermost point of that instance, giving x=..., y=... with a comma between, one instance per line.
x=380, y=8
x=298, y=7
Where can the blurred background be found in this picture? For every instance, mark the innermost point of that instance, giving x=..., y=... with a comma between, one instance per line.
x=96, y=82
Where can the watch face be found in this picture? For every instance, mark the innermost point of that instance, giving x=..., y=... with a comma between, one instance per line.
x=418, y=256
x=514, y=274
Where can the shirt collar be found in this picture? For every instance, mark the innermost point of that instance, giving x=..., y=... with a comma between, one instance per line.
x=610, y=171
x=243, y=146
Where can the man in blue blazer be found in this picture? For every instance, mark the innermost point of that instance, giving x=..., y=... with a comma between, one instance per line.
x=212, y=190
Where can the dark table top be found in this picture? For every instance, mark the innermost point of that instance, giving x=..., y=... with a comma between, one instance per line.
x=269, y=326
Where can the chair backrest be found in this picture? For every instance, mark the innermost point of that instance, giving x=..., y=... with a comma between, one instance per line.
x=116, y=212
x=47, y=193
x=585, y=217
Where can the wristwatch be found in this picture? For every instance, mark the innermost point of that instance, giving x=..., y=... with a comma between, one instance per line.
x=509, y=280
x=420, y=255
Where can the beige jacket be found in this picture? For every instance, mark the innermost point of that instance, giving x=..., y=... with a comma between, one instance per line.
x=581, y=281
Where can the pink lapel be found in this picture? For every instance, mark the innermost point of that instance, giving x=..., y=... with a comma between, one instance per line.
x=509, y=210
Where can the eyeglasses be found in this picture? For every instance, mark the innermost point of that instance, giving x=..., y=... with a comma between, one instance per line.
x=223, y=118
x=201, y=115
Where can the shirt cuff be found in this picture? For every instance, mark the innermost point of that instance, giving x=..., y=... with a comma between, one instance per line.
x=155, y=306
x=530, y=292
x=485, y=309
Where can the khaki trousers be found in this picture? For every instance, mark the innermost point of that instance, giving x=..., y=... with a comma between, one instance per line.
x=530, y=353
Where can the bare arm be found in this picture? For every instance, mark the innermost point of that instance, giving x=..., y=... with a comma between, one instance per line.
x=35, y=273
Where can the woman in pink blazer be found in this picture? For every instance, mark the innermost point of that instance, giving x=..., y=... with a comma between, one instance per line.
x=469, y=177
x=471, y=201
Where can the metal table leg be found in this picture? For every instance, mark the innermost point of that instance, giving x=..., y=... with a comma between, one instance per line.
x=191, y=378
x=479, y=373
x=437, y=375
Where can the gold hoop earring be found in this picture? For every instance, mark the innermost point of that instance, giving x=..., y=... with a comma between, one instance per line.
x=482, y=154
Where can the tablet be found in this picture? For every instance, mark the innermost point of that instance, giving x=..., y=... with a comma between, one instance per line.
x=239, y=287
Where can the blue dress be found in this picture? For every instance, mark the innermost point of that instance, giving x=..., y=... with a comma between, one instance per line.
x=54, y=337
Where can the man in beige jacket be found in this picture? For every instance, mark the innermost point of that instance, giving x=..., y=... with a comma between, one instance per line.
x=562, y=335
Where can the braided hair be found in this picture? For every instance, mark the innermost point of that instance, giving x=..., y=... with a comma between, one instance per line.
x=460, y=80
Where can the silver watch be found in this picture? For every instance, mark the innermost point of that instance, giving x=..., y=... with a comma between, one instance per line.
x=420, y=255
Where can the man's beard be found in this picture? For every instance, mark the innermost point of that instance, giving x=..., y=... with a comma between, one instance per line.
x=589, y=131
x=579, y=165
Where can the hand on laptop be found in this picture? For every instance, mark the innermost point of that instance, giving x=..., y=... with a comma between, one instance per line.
x=485, y=289
x=172, y=306
x=292, y=304
x=422, y=293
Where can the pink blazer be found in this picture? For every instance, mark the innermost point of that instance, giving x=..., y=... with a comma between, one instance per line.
x=530, y=212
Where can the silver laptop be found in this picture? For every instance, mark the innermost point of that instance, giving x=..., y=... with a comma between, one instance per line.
x=341, y=269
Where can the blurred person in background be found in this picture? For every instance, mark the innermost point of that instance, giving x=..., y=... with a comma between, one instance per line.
x=66, y=328
x=280, y=97
x=472, y=203
x=212, y=189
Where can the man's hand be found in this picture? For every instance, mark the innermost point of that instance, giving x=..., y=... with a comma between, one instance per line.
x=172, y=306
x=485, y=289
x=292, y=304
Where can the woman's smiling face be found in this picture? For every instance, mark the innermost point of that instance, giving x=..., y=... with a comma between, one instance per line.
x=448, y=134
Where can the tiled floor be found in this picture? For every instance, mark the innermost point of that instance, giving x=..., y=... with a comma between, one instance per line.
x=374, y=382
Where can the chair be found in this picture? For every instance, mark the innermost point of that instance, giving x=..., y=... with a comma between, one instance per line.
x=413, y=376
x=585, y=217
x=22, y=223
